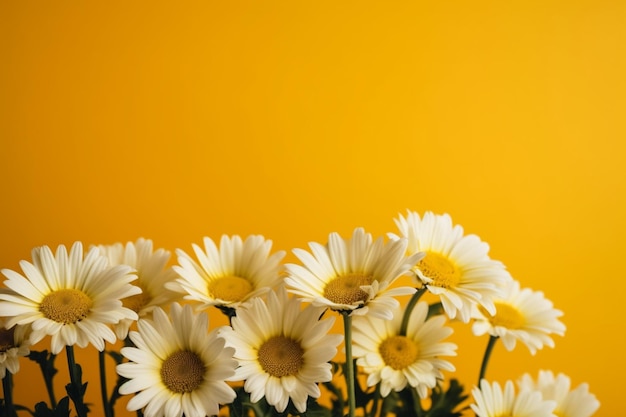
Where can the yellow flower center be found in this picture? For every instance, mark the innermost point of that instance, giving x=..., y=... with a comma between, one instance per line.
x=506, y=316
x=66, y=306
x=182, y=371
x=138, y=301
x=398, y=352
x=230, y=288
x=346, y=289
x=280, y=356
x=7, y=339
x=440, y=269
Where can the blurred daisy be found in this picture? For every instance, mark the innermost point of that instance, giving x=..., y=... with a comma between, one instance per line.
x=352, y=275
x=152, y=276
x=523, y=315
x=282, y=349
x=491, y=401
x=71, y=298
x=226, y=277
x=396, y=360
x=456, y=268
x=578, y=402
x=178, y=367
x=14, y=344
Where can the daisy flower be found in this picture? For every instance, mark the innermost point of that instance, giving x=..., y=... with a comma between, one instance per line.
x=229, y=275
x=578, y=402
x=283, y=350
x=178, y=367
x=456, y=267
x=396, y=360
x=491, y=401
x=523, y=315
x=14, y=344
x=352, y=275
x=71, y=298
x=152, y=275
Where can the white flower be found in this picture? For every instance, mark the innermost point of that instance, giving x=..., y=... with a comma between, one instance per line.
x=152, y=272
x=578, y=402
x=14, y=344
x=237, y=271
x=178, y=367
x=352, y=275
x=456, y=268
x=72, y=299
x=282, y=349
x=523, y=315
x=394, y=359
x=491, y=401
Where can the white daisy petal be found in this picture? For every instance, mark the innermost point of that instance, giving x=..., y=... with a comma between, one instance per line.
x=521, y=315
x=491, y=401
x=396, y=359
x=153, y=277
x=160, y=382
x=577, y=402
x=455, y=267
x=349, y=275
x=281, y=359
x=228, y=276
x=15, y=344
x=61, y=296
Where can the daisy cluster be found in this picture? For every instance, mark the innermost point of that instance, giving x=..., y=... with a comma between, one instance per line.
x=279, y=352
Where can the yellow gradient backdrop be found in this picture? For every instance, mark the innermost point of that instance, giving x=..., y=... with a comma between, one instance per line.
x=178, y=120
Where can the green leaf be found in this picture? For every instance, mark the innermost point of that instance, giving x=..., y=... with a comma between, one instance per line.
x=448, y=403
x=77, y=392
x=61, y=410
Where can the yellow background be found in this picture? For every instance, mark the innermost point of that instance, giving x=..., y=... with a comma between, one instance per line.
x=178, y=120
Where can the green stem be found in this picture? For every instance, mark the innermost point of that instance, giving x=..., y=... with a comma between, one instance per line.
x=106, y=404
x=45, y=361
x=488, y=350
x=374, y=411
x=76, y=381
x=435, y=309
x=48, y=380
x=409, y=308
x=7, y=388
x=347, y=329
x=417, y=402
x=228, y=312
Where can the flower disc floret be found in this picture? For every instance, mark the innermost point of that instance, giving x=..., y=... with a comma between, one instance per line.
x=281, y=356
x=346, y=289
x=182, y=371
x=67, y=305
x=440, y=269
x=399, y=352
x=230, y=288
x=506, y=316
